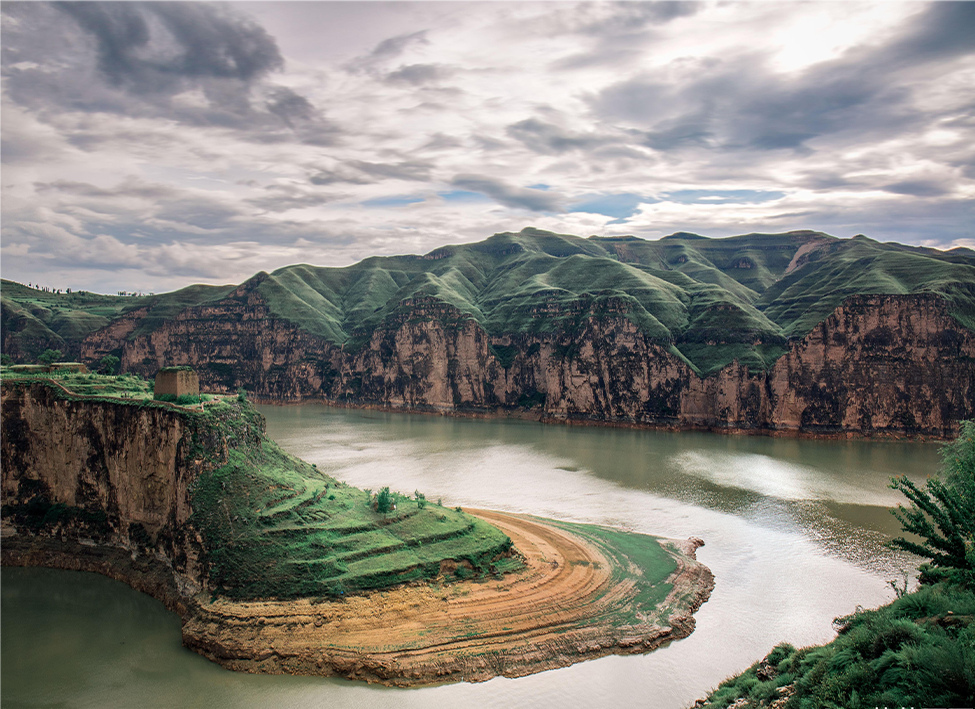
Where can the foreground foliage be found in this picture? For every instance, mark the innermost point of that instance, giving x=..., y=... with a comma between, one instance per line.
x=918, y=650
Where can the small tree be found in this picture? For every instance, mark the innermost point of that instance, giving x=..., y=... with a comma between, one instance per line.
x=943, y=513
x=384, y=501
x=421, y=499
x=109, y=364
x=49, y=357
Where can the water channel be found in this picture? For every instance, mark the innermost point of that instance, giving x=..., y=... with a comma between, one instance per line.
x=794, y=531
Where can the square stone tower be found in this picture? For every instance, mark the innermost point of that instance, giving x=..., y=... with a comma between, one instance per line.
x=177, y=381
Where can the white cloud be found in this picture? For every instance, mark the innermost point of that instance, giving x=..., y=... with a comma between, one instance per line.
x=380, y=120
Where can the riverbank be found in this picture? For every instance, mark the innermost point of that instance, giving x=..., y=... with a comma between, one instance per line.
x=542, y=417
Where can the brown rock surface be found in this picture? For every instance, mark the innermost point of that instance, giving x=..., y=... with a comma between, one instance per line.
x=878, y=365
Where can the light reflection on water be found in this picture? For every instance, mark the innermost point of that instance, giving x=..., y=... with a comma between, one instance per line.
x=794, y=530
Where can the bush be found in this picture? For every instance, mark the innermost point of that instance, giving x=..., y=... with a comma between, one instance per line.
x=943, y=514
x=109, y=364
x=182, y=400
x=384, y=501
x=49, y=357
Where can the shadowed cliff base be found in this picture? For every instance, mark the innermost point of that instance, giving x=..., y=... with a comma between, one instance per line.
x=275, y=567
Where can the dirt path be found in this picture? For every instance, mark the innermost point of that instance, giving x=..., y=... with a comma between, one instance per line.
x=563, y=608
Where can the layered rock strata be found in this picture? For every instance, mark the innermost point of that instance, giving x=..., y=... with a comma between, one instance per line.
x=101, y=486
x=883, y=364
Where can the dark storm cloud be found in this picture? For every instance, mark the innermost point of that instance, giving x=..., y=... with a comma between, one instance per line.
x=737, y=105
x=547, y=138
x=535, y=200
x=297, y=113
x=919, y=188
x=628, y=15
x=125, y=189
x=136, y=59
x=945, y=29
x=360, y=172
x=154, y=47
x=386, y=50
x=281, y=198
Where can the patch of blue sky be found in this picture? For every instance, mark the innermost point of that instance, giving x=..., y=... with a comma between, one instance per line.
x=722, y=196
x=621, y=206
x=393, y=201
x=462, y=196
x=540, y=186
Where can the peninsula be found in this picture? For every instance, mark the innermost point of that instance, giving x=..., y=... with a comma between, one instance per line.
x=277, y=567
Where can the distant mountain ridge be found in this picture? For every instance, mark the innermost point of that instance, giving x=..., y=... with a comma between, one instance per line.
x=528, y=307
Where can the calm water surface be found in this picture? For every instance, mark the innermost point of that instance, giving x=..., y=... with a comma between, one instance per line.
x=794, y=534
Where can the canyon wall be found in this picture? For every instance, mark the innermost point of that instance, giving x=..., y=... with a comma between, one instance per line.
x=879, y=364
x=103, y=486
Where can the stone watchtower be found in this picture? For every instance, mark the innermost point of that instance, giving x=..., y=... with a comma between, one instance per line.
x=177, y=381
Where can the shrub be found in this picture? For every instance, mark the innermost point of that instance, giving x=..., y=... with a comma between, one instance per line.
x=49, y=357
x=384, y=501
x=109, y=364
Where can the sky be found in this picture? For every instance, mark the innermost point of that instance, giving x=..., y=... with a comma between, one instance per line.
x=149, y=146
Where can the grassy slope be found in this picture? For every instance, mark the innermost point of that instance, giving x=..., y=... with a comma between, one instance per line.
x=39, y=320
x=917, y=651
x=713, y=299
x=277, y=527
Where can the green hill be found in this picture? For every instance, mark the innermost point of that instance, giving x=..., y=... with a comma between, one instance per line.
x=713, y=300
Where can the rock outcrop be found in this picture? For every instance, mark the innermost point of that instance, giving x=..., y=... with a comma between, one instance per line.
x=883, y=364
x=102, y=486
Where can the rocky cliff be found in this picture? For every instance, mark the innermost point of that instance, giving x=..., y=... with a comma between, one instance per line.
x=103, y=486
x=884, y=364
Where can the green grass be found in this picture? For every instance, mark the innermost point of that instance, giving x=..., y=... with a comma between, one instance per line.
x=277, y=527
x=634, y=557
x=713, y=300
x=918, y=650
x=125, y=386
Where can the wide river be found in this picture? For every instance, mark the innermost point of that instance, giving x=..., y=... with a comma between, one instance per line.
x=795, y=534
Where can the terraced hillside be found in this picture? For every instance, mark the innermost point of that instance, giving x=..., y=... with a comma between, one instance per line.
x=797, y=331
x=91, y=456
x=276, y=527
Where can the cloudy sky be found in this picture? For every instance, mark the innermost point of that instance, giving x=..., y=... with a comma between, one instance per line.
x=149, y=146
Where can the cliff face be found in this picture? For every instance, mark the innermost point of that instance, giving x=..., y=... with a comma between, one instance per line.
x=878, y=364
x=113, y=478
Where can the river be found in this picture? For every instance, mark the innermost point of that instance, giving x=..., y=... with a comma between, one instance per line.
x=794, y=532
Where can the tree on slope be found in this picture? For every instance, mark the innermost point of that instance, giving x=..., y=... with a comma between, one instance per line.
x=943, y=513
